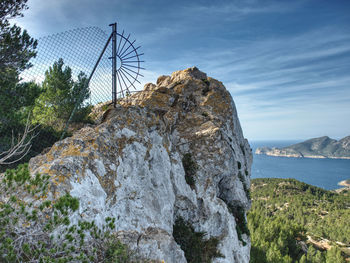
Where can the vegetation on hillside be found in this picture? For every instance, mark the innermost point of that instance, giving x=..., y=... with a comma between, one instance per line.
x=289, y=218
x=34, y=228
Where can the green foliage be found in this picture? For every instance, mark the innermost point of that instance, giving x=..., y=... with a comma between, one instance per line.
x=16, y=49
x=52, y=103
x=105, y=107
x=196, y=248
x=82, y=114
x=241, y=222
x=190, y=167
x=17, y=99
x=245, y=187
x=286, y=210
x=11, y=8
x=117, y=252
x=334, y=256
x=34, y=228
x=16, y=103
x=275, y=237
x=60, y=96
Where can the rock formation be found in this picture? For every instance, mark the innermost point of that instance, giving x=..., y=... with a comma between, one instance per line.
x=322, y=147
x=132, y=166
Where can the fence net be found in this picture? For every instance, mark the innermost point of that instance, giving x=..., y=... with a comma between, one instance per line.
x=55, y=86
x=79, y=49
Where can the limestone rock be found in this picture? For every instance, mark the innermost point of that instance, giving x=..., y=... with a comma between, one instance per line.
x=129, y=166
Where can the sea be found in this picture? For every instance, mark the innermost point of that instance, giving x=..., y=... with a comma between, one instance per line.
x=324, y=173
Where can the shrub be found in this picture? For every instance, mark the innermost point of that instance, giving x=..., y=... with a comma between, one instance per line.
x=241, y=222
x=36, y=229
x=190, y=167
x=245, y=187
x=196, y=248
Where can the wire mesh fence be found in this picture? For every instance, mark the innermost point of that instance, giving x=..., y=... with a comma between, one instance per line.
x=79, y=49
x=57, y=91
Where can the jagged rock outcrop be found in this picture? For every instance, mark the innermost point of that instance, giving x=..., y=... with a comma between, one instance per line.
x=130, y=167
x=322, y=147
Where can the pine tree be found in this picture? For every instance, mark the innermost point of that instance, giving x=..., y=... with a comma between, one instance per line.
x=334, y=256
x=60, y=95
x=16, y=49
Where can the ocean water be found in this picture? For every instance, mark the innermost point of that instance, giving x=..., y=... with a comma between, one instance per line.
x=325, y=173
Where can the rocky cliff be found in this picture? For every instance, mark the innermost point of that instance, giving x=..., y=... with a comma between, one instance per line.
x=174, y=150
x=322, y=147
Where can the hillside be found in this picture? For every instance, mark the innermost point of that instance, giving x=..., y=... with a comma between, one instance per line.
x=322, y=147
x=285, y=211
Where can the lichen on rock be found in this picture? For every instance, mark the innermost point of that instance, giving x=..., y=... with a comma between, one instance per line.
x=129, y=166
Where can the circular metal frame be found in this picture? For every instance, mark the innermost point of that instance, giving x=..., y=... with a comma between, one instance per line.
x=128, y=70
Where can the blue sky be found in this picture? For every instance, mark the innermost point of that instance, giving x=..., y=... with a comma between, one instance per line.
x=286, y=63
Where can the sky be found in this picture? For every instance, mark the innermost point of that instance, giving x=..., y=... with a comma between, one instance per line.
x=285, y=63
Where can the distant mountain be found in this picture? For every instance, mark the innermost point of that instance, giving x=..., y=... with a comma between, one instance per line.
x=322, y=147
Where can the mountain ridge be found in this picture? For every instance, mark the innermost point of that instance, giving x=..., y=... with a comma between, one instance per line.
x=320, y=147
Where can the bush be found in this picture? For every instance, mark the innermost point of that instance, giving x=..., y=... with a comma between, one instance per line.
x=190, y=167
x=241, y=222
x=245, y=187
x=196, y=248
x=36, y=229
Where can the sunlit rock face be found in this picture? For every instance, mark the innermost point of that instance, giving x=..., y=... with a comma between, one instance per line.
x=129, y=166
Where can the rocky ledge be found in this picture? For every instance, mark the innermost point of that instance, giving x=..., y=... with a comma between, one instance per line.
x=174, y=150
x=322, y=147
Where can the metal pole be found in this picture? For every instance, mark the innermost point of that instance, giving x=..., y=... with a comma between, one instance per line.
x=114, y=64
x=99, y=58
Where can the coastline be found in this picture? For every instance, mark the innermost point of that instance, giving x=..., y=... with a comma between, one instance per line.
x=345, y=186
x=315, y=171
x=304, y=156
x=345, y=183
